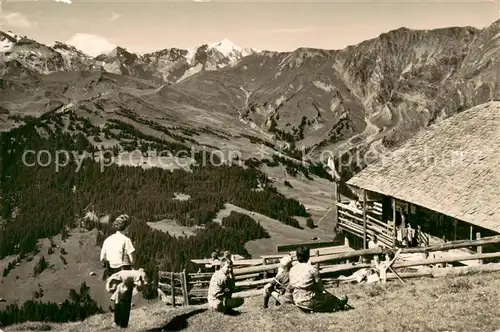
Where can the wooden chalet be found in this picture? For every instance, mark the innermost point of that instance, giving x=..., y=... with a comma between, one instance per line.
x=444, y=183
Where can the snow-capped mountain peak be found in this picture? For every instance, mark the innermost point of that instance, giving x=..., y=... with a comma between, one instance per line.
x=225, y=46
x=164, y=66
x=228, y=48
x=65, y=48
x=12, y=35
x=7, y=41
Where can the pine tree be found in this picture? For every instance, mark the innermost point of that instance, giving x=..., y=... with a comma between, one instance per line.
x=40, y=266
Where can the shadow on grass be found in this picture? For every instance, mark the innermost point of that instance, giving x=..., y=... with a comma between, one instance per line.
x=232, y=312
x=177, y=323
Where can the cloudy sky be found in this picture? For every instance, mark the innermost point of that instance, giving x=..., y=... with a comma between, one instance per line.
x=96, y=26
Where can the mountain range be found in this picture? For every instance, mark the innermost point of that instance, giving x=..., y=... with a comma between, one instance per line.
x=166, y=66
x=372, y=95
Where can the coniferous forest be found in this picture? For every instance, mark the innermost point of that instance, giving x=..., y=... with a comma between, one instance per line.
x=39, y=202
x=78, y=307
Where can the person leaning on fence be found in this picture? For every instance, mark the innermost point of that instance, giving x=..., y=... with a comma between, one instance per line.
x=307, y=288
x=221, y=288
x=278, y=287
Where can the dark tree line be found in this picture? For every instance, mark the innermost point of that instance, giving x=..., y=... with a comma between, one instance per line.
x=296, y=134
x=242, y=223
x=294, y=167
x=40, y=266
x=78, y=307
x=11, y=266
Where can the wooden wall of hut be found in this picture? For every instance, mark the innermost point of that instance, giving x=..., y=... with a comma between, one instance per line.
x=346, y=191
x=386, y=208
x=437, y=225
x=355, y=242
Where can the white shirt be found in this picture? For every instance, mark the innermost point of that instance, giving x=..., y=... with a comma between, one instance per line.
x=372, y=244
x=116, y=250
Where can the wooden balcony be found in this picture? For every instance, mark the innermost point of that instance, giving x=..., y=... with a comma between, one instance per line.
x=350, y=219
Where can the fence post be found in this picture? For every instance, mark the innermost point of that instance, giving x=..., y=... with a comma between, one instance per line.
x=336, y=199
x=454, y=229
x=317, y=255
x=184, y=281
x=172, y=285
x=364, y=220
x=346, y=243
x=264, y=262
x=393, y=202
x=479, y=248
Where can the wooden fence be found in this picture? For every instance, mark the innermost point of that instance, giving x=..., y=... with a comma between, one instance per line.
x=194, y=286
x=173, y=284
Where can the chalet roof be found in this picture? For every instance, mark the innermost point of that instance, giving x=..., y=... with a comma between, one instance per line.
x=452, y=167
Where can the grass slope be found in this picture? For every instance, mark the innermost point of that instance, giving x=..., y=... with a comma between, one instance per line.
x=57, y=280
x=280, y=234
x=464, y=303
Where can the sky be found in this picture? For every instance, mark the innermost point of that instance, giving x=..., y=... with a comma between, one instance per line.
x=98, y=26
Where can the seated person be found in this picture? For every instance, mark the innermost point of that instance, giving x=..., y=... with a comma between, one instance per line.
x=222, y=285
x=278, y=287
x=307, y=288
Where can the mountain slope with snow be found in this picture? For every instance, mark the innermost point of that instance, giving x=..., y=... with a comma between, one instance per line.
x=165, y=66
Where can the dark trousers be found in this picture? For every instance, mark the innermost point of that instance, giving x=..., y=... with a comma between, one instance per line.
x=122, y=309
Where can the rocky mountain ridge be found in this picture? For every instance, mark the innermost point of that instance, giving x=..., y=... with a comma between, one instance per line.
x=162, y=67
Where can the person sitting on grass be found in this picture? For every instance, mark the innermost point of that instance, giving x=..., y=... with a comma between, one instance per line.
x=307, y=288
x=278, y=287
x=221, y=289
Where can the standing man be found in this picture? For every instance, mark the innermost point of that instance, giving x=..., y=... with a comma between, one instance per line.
x=118, y=254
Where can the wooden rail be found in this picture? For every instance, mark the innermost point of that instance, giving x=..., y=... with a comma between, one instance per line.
x=309, y=245
x=405, y=264
x=236, y=262
x=365, y=252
